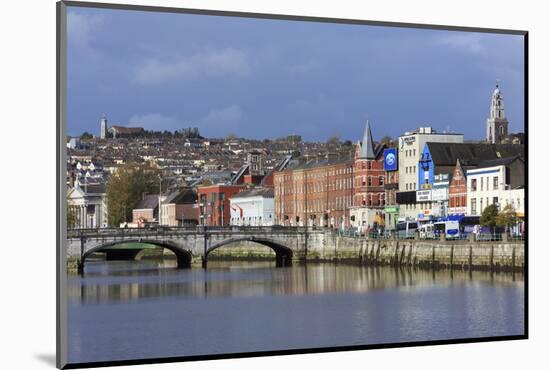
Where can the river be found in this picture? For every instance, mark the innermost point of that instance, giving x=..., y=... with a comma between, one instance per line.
x=120, y=310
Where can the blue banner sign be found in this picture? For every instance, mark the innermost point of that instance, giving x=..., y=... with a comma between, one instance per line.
x=390, y=159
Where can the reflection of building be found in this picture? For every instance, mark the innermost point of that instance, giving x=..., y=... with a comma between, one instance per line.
x=253, y=207
x=316, y=192
x=410, y=148
x=500, y=182
x=214, y=205
x=368, y=183
x=497, y=124
x=87, y=206
x=179, y=208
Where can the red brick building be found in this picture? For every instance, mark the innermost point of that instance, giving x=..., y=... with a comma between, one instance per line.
x=457, y=190
x=316, y=192
x=368, y=183
x=214, y=206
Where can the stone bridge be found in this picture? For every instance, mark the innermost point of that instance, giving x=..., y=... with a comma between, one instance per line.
x=190, y=243
x=194, y=244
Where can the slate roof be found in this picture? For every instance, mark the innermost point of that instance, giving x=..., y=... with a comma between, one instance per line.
x=499, y=162
x=185, y=196
x=320, y=162
x=149, y=201
x=93, y=188
x=471, y=154
x=258, y=192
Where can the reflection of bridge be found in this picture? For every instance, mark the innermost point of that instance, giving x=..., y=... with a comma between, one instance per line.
x=188, y=243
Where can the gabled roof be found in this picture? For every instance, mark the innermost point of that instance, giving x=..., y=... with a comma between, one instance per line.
x=149, y=201
x=471, y=154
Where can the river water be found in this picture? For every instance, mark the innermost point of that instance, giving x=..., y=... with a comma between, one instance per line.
x=120, y=310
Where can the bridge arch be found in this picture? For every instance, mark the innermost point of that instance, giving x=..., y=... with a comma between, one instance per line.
x=183, y=256
x=283, y=254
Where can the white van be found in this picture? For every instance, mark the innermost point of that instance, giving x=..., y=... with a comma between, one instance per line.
x=450, y=228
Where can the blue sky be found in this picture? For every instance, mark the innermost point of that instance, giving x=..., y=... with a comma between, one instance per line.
x=262, y=78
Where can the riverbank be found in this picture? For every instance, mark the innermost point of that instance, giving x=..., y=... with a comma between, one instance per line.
x=460, y=254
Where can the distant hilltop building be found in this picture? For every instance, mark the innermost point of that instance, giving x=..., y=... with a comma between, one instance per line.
x=117, y=131
x=497, y=124
x=103, y=133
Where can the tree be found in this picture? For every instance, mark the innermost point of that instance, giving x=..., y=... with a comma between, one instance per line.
x=489, y=216
x=86, y=135
x=507, y=217
x=126, y=187
x=347, y=143
x=231, y=136
x=387, y=140
x=333, y=140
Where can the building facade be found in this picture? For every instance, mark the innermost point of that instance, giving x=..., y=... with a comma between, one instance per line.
x=410, y=147
x=317, y=192
x=255, y=207
x=369, y=198
x=180, y=208
x=214, y=204
x=458, y=191
x=87, y=206
x=501, y=185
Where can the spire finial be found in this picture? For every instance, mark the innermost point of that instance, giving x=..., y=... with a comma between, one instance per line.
x=498, y=82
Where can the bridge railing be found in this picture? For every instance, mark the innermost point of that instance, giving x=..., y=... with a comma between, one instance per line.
x=179, y=230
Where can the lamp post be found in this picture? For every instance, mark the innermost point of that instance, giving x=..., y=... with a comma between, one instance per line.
x=160, y=194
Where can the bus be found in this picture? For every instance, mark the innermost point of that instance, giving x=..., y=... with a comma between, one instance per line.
x=406, y=229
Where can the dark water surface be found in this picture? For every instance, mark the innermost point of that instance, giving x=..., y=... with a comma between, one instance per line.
x=123, y=310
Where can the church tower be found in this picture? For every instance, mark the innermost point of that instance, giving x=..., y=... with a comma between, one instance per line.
x=497, y=124
x=103, y=133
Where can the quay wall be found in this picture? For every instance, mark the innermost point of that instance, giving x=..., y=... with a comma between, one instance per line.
x=460, y=254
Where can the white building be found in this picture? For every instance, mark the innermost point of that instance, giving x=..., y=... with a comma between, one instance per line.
x=501, y=185
x=87, y=206
x=254, y=207
x=410, y=148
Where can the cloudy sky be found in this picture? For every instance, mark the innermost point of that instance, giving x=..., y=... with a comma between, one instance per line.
x=262, y=78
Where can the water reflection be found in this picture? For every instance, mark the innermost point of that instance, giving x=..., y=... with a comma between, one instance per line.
x=128, y=281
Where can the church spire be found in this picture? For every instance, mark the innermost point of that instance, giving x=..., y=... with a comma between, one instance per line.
x=497, y=124
x=367, y=145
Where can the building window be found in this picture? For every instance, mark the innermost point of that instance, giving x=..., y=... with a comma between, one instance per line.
x=370, y=181
x=474, y=202
x=495, y=200
x=481, y=183
x=481, y=204
x=381, y=179
x=474, y=185
x=495, y=183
